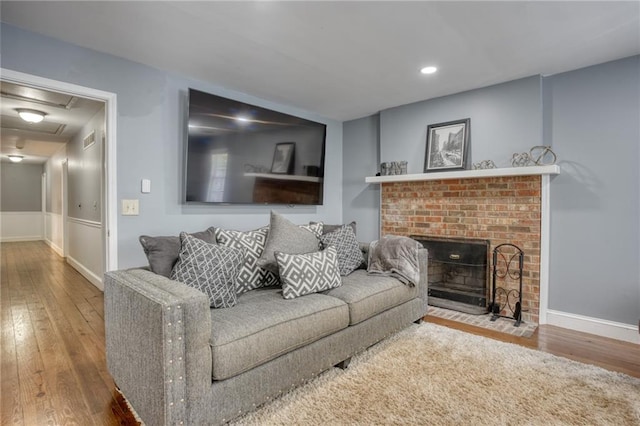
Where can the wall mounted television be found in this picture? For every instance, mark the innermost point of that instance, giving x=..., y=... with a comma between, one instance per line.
x=237, y=153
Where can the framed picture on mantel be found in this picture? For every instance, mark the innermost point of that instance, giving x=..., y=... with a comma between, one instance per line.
x=447, y=146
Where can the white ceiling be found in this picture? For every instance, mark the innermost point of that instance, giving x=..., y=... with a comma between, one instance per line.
x=345, y=60
x=65, y=116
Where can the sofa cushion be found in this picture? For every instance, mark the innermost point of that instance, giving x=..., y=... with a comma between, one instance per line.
x=264, y=325
x=287, y=237
x=349, y=254
x=252, y=242
x=369, y=295
x=162, y=252
x=302, y=274
x=210, y=268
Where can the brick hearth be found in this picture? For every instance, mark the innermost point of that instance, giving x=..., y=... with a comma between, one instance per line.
x=503, y=209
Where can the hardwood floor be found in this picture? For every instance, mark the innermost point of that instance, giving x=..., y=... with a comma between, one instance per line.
x=52, y=353
x=611, y=354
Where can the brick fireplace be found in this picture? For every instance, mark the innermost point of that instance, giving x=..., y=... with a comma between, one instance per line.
x=501, y=209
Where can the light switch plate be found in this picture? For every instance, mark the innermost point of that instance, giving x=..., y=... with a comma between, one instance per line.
x=146, y=186
x=130, y=207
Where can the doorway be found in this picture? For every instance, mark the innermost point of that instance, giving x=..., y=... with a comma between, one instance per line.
x=108, y=227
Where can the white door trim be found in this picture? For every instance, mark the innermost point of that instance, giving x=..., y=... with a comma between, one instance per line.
x=110, y=196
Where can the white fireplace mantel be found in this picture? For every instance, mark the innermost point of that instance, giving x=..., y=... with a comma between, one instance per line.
x=546, y=172
x=468, y=174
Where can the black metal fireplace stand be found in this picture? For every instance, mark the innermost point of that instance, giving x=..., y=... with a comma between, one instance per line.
x=503, y=269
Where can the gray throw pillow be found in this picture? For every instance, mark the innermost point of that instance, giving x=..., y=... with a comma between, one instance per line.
x=330, y=228
x=290, y=238
x=210, y=268
x=251, y=275
x=162, y=252
x=308, y=273
x=349, y=254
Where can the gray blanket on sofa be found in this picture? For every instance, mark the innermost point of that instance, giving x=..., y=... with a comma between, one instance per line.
x=395, y=256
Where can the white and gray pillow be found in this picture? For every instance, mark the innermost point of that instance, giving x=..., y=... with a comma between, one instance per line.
x=349, y=254
x=326, y=228
x=162, y=252
x=209, y=268
x=308, y=273
x=251, y=275
x=287, y=237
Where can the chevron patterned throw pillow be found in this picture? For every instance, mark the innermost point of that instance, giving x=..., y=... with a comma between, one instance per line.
x=349, y=254
x=251, y=275
x=308, y=273
x=209, y=268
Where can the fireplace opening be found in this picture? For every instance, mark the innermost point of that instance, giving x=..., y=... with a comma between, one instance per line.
x=458, y=273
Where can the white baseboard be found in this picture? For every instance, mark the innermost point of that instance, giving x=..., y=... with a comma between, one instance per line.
x=54, y=247
x=597, y=326
x=93, y=278
x=15, y=239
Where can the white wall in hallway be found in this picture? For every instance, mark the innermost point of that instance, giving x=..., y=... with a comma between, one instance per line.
x=21, y=226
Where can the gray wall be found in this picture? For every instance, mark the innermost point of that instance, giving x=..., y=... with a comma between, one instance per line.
x=361, y=153
x=505, y=118
x=591, y=118
x=594, y=120
x=85, y=172
x=21, y=187
x=151, y=125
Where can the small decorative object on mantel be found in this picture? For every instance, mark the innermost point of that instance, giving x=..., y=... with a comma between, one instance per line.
x=542, y=155
x=447, y=146
x=393, y=168
x=521, y=159
x=539, y=155
x=486, y=164
x=504, y=258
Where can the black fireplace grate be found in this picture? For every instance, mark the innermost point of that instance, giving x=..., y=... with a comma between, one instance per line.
x=458, y=273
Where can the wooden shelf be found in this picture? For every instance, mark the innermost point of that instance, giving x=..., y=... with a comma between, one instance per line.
x=468, y=174
x=275, y=176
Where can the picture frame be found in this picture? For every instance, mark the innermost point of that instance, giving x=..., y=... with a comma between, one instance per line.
x=448, y=146
x=283, y=158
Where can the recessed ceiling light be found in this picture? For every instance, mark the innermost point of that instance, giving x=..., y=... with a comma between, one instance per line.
x=428, y=70
x=31, y=115
x=15, y=158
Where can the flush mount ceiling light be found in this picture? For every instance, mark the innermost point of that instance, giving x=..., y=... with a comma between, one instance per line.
x=15, y=158
x=31, y=115
x=428, y=70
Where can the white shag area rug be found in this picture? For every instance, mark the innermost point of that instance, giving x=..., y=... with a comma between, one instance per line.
x=433, y=375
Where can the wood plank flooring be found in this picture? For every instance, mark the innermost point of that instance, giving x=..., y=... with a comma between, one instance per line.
x=53, y=366
x=52, y=353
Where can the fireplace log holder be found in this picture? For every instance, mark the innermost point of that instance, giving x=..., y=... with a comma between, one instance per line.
x=503, y=268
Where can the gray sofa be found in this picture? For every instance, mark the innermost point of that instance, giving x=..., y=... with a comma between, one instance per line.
x=177, y=361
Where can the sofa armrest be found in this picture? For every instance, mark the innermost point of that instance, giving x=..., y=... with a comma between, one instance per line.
x=157, y=340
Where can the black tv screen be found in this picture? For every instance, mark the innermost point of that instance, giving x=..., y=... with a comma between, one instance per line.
x=239, y=153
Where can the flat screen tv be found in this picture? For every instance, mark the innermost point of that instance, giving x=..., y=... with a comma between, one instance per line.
x=237, y=153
